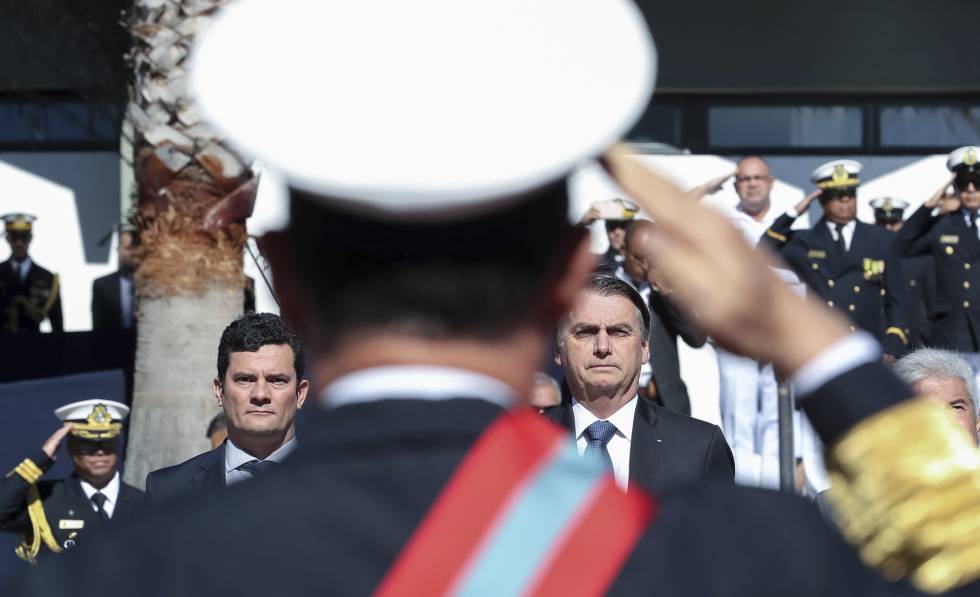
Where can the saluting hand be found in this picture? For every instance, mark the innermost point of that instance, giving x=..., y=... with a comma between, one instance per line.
x=50, y=447
x=714, y=273
x=940, y=194
x=803, y=205
x=590, y=216
x=711, y=187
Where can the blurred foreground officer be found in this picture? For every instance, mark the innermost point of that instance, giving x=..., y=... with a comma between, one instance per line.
x=60, y=513
x=29, y=294
x=112, y=296
x=419, y=479
x=259, y=387
x=951, y=238
x=920, y=275
x=602, y=343
x=851, y=265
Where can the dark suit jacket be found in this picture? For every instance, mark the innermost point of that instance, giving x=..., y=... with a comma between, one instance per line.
x=667, y=449
x=955, y=252
x=667, y=323
x=921, y=277
x=875, y=302
x=38, y=289
x=107, y=304
x=63, y=499
x=205, y=473
x=333, y=518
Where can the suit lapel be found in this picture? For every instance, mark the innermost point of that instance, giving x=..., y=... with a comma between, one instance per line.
x=128, y=503
x=79, y=506
x=211, y=474
x=646, y=448
x=969, y=244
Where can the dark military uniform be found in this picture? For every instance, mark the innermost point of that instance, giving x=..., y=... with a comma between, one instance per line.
x=955, y=252
x=867, y=283
x=65, y=514
x=24, y=304
x=921, y=277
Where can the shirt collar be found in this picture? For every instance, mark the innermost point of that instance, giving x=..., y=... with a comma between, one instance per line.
x=110, y=491
x=768, y=217
x=967, y=215
x=418, y=382
x=235, y=456
x=622, y=419
x=848, y=226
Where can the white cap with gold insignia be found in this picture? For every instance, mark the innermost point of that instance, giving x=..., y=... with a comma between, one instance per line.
x=432, y=108
x=18, y=222
x=837, y=174
x=964, y=159
x=94, y=419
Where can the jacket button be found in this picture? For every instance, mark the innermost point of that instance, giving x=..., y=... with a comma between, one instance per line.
x=911, y=282
x=882, y=292
x=966, y=284
x=829, y=282
x=949, y=250
x=853, y=328
x=815, y=265
x=857, y=289
x=851, y=307
x=966, y=304
x=831, y=303
x=966, y=266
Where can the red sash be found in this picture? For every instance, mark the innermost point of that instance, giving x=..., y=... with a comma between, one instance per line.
x=522, y=514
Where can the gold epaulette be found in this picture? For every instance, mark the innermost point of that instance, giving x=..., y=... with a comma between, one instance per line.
x=40, y=529
x=906, y=491
x=29, y=471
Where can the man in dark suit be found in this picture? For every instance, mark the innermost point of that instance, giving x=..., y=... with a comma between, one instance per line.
x=260, y=387
x=29, y=294
x=601, y=345
x=950, y=240
x=420, y=354
x=854, y=267
x=663, y=383
x=59, y=513
x=112, y=295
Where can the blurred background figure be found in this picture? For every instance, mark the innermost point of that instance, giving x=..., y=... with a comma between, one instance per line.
x=218, y=430
x=919, y=272
x=112, y=295
x=616, y=214
x=55, y=513
x=546, y=392
x=943, y=376
x=950, y=238
x=29, y=294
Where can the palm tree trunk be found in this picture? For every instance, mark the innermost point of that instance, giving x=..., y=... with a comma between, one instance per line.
x=189, y=283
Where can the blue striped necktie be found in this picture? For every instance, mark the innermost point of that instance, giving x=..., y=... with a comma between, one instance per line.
x=598, y=435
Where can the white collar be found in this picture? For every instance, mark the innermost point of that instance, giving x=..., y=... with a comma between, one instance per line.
x=622, y=419
x=848, y=226
x=418, y=382
x=967, y=215
x=235, y=456
x=110, y=491
x=768, y=217
x=24, y=265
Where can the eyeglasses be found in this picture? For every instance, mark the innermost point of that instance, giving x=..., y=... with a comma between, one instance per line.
x=963, y=182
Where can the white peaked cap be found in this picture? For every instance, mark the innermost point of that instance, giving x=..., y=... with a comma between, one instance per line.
x=81, y=410
x=825, y=171
x=426, y=109
x=968, y=155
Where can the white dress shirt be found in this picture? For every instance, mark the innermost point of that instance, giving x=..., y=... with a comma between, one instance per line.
x=110, y=491
x=848, y=232
x=126, y=300
x=619, y=444
x=752, y=229
x=417, y=382
x=968, y=218
x=235, y=457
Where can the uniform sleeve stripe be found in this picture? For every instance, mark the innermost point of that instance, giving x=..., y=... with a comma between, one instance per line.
x=898, y=332
x=28, y=471
x=776, y=235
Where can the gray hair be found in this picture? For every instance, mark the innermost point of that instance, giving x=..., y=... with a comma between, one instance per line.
x=936, y=363
x=607, y=285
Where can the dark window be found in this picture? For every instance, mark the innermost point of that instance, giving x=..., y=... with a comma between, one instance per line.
x=929, y=126
x=53, y=122
x=785, y=126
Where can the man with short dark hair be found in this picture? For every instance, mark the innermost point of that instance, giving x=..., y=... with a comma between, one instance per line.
x=601, y=345
x=260, y=387
x=217, y=430
x=112, y=295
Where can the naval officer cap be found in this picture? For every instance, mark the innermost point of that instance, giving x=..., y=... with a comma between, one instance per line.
x=965, y=160
x=838, y=174
x=436, y=109
x=888, y=209
x=18, y=222
x=94, y=419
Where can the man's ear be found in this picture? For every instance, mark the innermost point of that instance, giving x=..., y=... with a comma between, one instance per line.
x=216, y=383
x=646, y=351
x=301, y=391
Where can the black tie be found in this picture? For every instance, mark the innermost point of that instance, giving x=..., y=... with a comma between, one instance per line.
x=973, y=221
x=99, y=498
x=257, y=467
x=840, y=238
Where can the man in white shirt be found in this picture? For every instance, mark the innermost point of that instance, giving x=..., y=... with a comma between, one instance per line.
x=260, y=387
x=601, y=344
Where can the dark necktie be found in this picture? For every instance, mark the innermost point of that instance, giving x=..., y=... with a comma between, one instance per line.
x=598, y=435
x=257, y=467
x=99, y=499
x=973, y=221
x=840, y=238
